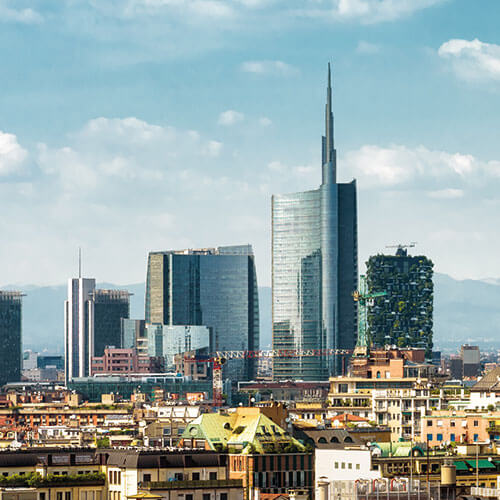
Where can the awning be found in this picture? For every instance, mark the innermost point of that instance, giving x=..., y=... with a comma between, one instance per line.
x=482, y=464
x=145, y=495
x=460, y=466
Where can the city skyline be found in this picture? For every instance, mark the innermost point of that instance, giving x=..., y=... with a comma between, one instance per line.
x=116, y=135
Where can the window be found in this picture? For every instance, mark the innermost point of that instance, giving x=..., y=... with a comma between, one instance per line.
x=429, y=423
x=146, y=478
x=179, y=476
x=59, y=495
x=439, y=437
x=452, y=438
x=429, y=437
x=206, y=496
x=440, y=423
x=343, y=465
x=189, y=496
x=223, y=496
x=67, y=495
x=349, y=465
x=452, y=423
x=336, y=465
x=41, y=496
x=357, y=466
x=196, y=476
x=476, y=423
x=212, y=476
x=476, y=437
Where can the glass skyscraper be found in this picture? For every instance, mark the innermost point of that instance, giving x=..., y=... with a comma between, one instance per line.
x=214, y=287
x=106, y=310
x=315, y=269
x=10, y=336
x=166, y=341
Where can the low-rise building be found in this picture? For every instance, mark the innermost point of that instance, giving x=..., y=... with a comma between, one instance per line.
x=117, y=361
x=441, y=428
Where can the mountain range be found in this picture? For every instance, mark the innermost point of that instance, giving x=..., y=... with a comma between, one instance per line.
x=465, y=311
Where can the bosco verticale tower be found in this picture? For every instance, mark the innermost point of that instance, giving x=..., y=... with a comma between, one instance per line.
x=404, y=317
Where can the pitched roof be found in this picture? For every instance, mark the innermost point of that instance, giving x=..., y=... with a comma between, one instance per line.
x=398, y=449
x=239, y=429
x=490, y=382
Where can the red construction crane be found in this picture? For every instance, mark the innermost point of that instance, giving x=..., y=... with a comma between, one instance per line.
x=219, y=358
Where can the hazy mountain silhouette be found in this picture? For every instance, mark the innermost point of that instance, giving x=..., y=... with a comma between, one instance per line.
x=464, y=311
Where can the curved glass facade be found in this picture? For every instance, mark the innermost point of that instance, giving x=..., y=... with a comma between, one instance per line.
x=296, y=280
x=315, y=270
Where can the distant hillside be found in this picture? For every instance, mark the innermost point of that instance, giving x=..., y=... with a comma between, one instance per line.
x=464, y=311
x=43, y=313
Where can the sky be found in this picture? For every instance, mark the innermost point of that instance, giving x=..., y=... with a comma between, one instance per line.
x=128, y=126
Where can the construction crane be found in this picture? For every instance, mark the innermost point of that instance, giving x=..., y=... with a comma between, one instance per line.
x=365, y=299
x=402, y=245
x=220, y=358
x=402, y=248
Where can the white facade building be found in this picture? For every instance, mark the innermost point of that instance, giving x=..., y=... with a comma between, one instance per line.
x=76, y=336
x=346, y=464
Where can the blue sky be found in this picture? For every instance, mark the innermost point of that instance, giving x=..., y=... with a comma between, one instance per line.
x=136, y=125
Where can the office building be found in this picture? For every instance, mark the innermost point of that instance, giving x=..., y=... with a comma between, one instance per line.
x=168, y=340
x=470, y=357
x=106, y=310
x=11, y=358
x=213, y=287
x=456, y=367
x=92, y=322
x=133, y=335
x=76, y=323
x=404, y=317
x=315, y=269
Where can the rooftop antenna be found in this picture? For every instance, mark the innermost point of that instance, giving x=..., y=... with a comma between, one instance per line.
x=79, y=262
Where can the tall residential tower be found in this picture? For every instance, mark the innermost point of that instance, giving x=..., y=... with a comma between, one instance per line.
x=404, y=317
x=315, y=268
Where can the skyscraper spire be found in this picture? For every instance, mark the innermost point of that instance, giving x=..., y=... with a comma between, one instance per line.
x=329, y=160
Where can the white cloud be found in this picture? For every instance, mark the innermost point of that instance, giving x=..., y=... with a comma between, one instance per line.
x=277, y=68
x=402, y=166
x=212, y=149
x=446, y=194
x=18, y=15
x=265, y=121
x=12, y=156
x=230, y=117
x=213, y=9
x=366, y=11
x=472, y=59
x=367, y=48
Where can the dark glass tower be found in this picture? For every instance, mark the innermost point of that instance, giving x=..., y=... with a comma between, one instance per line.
x=10, y=337
x=107, y=308
x=315, y=269
x=214, y=287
